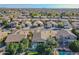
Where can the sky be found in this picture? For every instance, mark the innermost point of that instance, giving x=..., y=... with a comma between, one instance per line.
x=39, y=5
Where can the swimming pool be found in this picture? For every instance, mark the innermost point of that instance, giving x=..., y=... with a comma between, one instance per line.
x=63, y=52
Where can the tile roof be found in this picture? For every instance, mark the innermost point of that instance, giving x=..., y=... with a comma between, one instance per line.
x=64, y=33
x=75, y=24
x=14, y=38
x=42, y=35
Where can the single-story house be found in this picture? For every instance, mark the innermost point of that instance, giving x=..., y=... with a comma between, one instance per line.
x=64, y=37
x=28, y=24
x=38, y=23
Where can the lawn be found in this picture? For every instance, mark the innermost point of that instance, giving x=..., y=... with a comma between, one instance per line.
x=33, y=53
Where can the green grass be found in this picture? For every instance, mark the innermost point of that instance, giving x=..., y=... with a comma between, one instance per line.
x=33, y=53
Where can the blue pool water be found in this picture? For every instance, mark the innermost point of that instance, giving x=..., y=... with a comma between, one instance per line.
x=65, y=53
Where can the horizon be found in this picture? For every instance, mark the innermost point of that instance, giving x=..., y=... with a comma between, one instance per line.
x=56, y=6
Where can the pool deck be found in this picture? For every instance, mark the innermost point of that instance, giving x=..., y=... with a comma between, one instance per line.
x=65, y=51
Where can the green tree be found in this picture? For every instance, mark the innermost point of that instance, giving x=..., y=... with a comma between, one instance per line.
x=76, y=32
x=17, y=48
x=74, y=46
x=61, y=24
x=49, y=15
x=34, y=14
x=24, y=44
x=41, y=48
x=51, y=43
x=12, y=48
x=47, y=47
x=18, y=27
x=62, y=14
x=5, y=22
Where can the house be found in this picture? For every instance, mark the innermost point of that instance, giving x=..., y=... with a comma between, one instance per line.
x=36, y=16
x=17, y=36
x=18, y=19
x=40, y=36
x=75, y=25
x=47, y=25
x=43, y=17
x=28, y=24
x=38, y=23
x=74, y=17
x=67, y=25
x=6, y=17
x=65, y=17
x=12, y=25
x=64, y=37
x=14, y=38
x=61, y=24
x=74, y=20
x=37, y=37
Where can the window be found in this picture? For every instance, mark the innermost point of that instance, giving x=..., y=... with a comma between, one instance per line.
x=67, y=37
